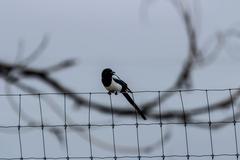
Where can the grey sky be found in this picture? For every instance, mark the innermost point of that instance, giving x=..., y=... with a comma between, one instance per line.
x=101, y=34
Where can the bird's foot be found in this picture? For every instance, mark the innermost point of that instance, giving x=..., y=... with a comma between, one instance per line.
x=109, y=93
x=116, y=93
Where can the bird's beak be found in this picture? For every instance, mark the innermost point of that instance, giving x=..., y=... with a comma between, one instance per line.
x=113, y=72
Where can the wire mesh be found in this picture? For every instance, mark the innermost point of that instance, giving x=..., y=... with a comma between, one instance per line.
x=186, y=139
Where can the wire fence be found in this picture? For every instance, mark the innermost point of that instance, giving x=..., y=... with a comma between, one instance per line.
x=123, y=136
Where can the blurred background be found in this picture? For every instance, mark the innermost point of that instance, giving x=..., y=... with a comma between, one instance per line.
x=153, y=45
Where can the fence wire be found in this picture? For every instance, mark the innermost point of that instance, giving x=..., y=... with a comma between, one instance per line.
x=159, y=127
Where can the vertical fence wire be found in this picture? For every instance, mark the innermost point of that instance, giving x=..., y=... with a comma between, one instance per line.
x=89, y=127
x=137, y=132
x=113, y=126
x=42, y=127
x=19, y=126
x=210, y=124
x=160, y=123
x=234, y=123
x=65, y=125
x=185, y=124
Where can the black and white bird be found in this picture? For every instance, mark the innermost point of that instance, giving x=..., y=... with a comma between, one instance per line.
x=115, y=85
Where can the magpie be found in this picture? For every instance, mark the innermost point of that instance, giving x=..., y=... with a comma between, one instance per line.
x=115, y=85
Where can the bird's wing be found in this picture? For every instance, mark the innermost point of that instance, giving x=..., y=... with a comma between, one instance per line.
x=123, y=84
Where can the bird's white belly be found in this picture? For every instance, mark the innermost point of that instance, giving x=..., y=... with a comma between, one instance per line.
x=114, y=87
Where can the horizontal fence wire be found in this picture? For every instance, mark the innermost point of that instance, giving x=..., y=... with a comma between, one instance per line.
x=159, y=124
x=139, y=91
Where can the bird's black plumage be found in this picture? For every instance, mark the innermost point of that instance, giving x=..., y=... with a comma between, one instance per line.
x=123, y=84
x=130, y=100
x=113, y=85
x=107, y=77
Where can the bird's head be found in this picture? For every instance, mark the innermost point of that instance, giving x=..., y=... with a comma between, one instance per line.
x=107, y=72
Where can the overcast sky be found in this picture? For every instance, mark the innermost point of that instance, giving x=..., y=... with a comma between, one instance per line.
x=111, y=34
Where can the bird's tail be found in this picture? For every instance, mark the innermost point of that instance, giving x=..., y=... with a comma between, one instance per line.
x=130, y=100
